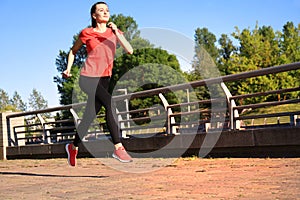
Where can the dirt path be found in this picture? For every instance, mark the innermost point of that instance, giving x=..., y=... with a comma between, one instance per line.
x=190, y=178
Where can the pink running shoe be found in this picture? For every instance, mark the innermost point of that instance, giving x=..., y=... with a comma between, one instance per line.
x=121, y=155
x=72, y=153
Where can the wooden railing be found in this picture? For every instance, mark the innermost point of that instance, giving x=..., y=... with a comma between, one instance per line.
x=180, y=118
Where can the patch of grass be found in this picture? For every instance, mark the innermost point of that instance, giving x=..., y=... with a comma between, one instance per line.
x=272, y=110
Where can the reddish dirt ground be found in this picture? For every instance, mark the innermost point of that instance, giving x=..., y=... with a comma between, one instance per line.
x=184, y=178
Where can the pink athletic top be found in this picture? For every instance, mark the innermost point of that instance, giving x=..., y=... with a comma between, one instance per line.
x=101, y=48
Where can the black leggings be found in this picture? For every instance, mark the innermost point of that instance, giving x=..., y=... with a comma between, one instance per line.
x=98, y=96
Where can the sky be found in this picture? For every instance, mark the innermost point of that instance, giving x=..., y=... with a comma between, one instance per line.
x=34, y=31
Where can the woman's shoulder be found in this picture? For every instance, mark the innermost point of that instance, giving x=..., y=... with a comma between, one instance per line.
x=87, y=30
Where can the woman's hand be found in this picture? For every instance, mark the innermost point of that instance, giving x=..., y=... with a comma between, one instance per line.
x=66, y=74
x=113, y=26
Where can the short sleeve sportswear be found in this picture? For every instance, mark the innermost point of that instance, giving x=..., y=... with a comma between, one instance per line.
x=101, y=48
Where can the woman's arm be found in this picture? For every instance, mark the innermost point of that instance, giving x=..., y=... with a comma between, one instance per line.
x=121, y=39
x=71, y=57
x=124, y=43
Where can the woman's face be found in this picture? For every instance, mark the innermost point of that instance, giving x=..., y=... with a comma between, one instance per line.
x=101, y=14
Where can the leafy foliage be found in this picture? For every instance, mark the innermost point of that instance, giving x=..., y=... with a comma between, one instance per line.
x=146, y=69
x=4, y=101
x=259, y=48
x=37, y=101
x=17, y=102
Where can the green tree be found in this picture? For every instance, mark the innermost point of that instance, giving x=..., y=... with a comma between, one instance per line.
x=147, y=69
x=290, y=47
x=290, y=42
x=227, y=47
x=259, y=48
x=37, y=101
x=206, y=55
x=4, y=101
x=127, y=62
x=17, y=102
x=206, y=40
x=205, y=61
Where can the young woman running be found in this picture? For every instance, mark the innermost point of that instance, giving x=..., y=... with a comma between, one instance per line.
x=100, y=40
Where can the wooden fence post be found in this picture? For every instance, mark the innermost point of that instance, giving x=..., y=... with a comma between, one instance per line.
x=3, y=135
x=4, y=131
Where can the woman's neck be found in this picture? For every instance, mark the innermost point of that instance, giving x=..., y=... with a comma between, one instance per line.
x=101, y=27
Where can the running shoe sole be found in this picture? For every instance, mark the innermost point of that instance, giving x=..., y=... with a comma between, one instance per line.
x=119, y=159
x=67, y=150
